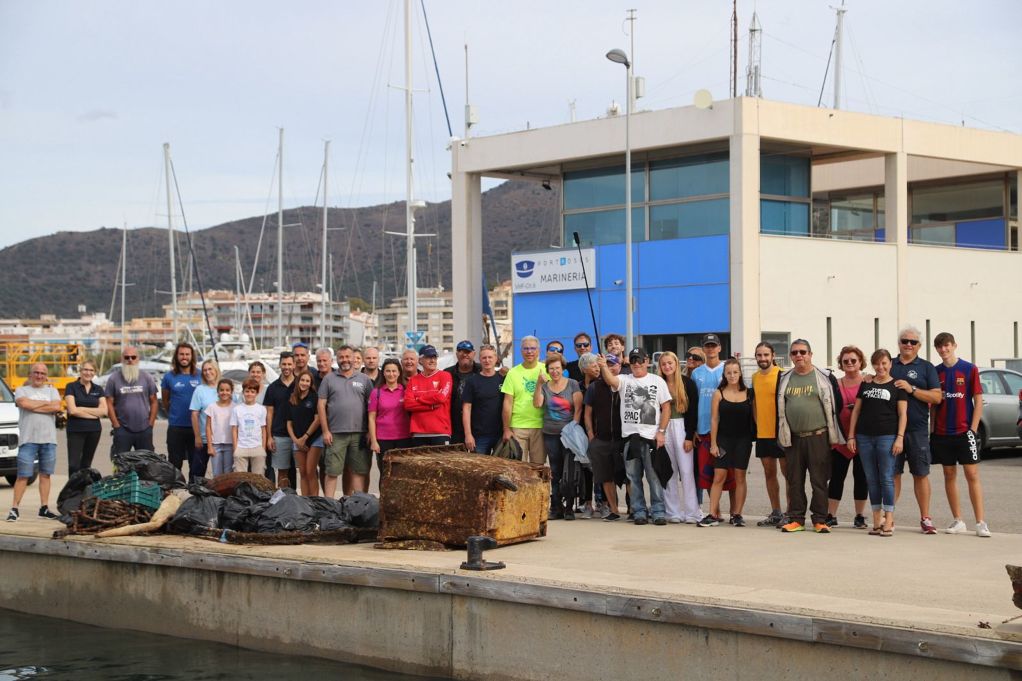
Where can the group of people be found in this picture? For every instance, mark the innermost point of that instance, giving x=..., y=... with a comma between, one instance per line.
x=679, y=430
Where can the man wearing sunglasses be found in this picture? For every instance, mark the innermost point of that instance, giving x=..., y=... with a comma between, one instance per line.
x=808, y=402
x=131, y=403
x=918, y=378
x=583, y=344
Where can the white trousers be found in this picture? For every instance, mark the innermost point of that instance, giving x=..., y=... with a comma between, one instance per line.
x=680, y=493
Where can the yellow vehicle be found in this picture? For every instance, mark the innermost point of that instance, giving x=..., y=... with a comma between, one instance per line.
x=17, y=358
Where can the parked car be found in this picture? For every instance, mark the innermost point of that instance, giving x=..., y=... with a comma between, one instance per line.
x=1001, y=408
x=9, y=435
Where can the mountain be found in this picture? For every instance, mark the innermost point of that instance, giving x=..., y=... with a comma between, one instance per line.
x=56, y=274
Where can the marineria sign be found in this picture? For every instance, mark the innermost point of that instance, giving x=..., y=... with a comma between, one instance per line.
x=552, y=270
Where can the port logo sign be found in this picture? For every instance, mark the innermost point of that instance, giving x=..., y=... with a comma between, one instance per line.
x=552, y=270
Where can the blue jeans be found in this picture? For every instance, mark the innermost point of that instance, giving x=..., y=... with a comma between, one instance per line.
x=485, y=445
x=878, y=464
x=635, y=467
x=223, y=462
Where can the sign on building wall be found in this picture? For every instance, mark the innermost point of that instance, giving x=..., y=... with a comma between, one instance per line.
x=552, y=270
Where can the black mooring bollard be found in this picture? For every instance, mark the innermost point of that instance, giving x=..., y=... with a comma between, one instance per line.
x=476, y=546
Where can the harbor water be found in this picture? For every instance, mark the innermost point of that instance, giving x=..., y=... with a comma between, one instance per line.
x=45, y=648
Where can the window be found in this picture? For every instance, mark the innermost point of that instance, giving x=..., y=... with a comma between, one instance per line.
x=969, y=201
x=604, y=227
x=1014, y=382
x=691, y=219
x=602, y=187
x=691, y=176
x=784, y=175
x=784, y=217
x=781, y=342
x=991, y=383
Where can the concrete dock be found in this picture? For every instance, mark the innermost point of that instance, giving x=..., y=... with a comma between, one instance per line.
x=591, y=600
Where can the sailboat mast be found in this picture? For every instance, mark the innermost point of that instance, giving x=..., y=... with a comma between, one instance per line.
x=124, y=272
x=170, y=240
x=280, y=239
x=409, y=210
x=238, y=322
x=326, y=299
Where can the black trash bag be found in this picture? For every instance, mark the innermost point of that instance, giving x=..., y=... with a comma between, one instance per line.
x=76, y=489
x=290, y=513
x=150, y=466
x=233, y=513
x=253, y=494
x=330, y=523
x=329, y=513
x=126, y=461
x=198, y=488
x=196, y=515
x=362, y=510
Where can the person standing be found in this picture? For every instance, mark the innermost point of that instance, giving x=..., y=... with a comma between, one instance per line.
x=583, y=344
x=481, y=404
x=707, y=378
x=808, y=403
x=324, y=365
x=680, y=493
x=955, y=424
x=645, y=414
x=248, y=431
x=732, y=429
x=205, y=394
x=851, y=361
x=428, y=399
x=219, y=436
x=606, y=444
x=560, y=398
x=38, y=403
x=521, y=419
x=409, y=364
x=276, y=399
x=86, y=406
x=389, y=423
x=876, y=432
x=343, y=398
x=372, y=365
x=764, y=385
x=615, y=345
x=300, y=352
x=131, y=405
x=460, y=372
x=918, y=378
x=176, y=390
x=304, y=430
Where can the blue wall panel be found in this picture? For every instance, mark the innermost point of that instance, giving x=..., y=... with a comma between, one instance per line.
x=681, y=262
x=685, y=309
x=981, y=234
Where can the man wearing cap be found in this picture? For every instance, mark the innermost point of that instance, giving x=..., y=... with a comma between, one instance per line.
x=343, y=402
x=522, y=421
x=428, y=400
x=808, y=402
x=645, y=414
x=465, y=367
x=603, y=426
x=707, y=377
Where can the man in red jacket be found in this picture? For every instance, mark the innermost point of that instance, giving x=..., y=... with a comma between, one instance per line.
x=428, y=399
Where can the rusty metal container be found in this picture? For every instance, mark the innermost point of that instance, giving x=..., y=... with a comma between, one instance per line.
x=447, y=494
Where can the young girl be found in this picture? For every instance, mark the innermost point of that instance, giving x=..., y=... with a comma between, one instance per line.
x=732, y=429
x=248, y=431
x=302, y=418
x=219, y=441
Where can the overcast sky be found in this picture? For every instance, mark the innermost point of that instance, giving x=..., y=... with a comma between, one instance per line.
x=90, y=90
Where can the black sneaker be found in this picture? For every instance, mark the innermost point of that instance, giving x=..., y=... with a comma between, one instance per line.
x=831, y=521
x=569, y=514
x=659, y=521
x=45, y=512
x=641, y=521
x=737, y=520
x=12, y=517
x=709, y=521
x=555, y=514
x=772, y=520
x=611, y=517
x=860, y=522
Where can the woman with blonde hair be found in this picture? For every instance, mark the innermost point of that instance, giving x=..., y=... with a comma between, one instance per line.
x=680, y=500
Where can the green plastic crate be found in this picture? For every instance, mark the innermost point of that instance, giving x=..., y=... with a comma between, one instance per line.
x=130, y=489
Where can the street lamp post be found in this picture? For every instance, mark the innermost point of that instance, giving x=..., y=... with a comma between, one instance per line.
x=619, y=56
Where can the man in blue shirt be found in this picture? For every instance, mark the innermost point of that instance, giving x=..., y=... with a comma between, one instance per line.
x=707, y=378
x=176, y=390
x=919, y=379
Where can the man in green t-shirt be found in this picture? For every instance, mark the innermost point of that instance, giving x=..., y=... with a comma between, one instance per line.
x=808, y=403
x=522, y=421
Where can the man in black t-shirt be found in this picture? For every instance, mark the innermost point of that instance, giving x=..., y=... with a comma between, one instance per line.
x=275, y=400
x=606, y=444
x=481, y=416
x=460, y=372
x=583, y=344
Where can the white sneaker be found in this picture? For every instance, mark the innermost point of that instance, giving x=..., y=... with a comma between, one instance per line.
x=982, y=530
x=957, y=527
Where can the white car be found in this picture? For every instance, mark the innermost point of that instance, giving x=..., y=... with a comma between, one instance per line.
x=8, y=435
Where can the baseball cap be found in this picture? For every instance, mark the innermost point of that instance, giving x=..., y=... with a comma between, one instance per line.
x=427, y=351
x=466, y=345
x=711, y=339
x=637, y=355
x=612, y=359
x=300, y=344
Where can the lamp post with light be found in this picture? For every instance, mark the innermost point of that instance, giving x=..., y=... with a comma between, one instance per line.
x=619, y=56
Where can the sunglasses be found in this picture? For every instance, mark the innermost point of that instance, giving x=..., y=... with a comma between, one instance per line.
x=695, y=358
x=909, y=341
x=850, y=360
x=582, y=345
x=130, y=357
x=796, y=353
x=554, y=348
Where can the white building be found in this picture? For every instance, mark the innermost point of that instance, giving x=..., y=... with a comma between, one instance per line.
x=759, y=219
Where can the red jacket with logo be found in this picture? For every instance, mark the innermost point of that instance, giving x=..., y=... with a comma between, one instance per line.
x=428, y=399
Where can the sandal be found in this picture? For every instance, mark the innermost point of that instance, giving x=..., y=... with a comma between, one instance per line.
x=876, y=531
x=887, y=532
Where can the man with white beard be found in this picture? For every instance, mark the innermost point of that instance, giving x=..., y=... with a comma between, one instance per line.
x=131, y=404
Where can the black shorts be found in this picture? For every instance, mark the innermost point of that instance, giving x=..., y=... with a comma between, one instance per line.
x=605, y=457
x=767, y=448
x=950, y=450
x=736, y=452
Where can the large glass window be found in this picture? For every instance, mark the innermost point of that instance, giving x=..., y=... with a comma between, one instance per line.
x=602, y=187
x=935, y=235
x=784, y=217
x=691, y=176
x=784, y=175
x=691, y=219
x=857, y=217
x=971, y=201
x=603, y=227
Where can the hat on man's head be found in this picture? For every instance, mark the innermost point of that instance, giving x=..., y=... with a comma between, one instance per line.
x=711, y=339
x=427, y=351
x=637, y=355
x=612, y=359
x=300, y=344
x=466, y=345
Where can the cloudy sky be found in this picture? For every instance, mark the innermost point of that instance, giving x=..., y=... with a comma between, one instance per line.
x=90, y=90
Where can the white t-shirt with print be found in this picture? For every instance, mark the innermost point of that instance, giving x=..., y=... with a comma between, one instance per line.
x=640, y=404
x=249, y=418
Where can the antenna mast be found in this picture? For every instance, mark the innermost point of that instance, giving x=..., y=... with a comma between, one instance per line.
x=170, y=239
x=734, y=49
x=752, y=72
x=280, y=239
x=325, y=293
x=838, y=31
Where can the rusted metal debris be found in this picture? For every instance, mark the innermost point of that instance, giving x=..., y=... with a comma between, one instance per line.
x=447, y=494
x=96, y=515
x=347, y=535
x=225, y=483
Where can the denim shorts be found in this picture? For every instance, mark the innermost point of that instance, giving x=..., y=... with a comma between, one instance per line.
x=28, y=452
x=916, y=452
